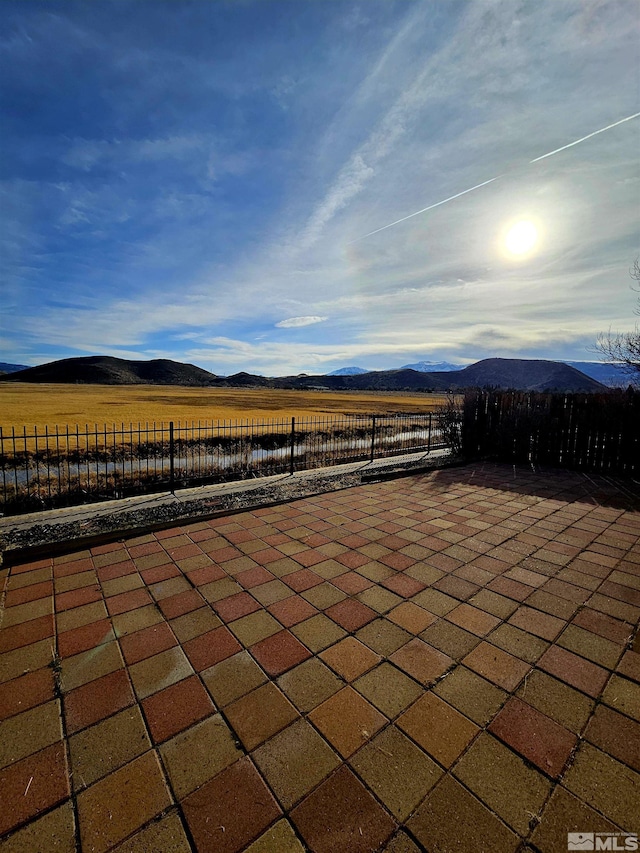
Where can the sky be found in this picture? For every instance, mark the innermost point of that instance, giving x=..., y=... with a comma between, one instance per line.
x=211, y=181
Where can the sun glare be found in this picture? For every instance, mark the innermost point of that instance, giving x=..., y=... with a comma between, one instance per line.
x=521, y=238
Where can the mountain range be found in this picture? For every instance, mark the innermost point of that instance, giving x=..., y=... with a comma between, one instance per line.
x=612, y=375
x=512, y=373
x=6, y=367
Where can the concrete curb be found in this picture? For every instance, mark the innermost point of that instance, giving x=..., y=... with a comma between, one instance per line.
x=52, y=532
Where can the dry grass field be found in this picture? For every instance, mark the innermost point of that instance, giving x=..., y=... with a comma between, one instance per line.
x=30, y=405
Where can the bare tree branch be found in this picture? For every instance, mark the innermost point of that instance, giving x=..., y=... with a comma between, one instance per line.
x=623, y=348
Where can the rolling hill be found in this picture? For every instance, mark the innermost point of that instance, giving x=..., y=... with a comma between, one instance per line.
x=512, y=373
x=106, y=370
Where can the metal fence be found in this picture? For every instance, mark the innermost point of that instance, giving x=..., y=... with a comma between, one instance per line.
x=61, y=467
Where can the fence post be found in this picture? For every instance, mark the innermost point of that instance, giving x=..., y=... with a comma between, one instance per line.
x=171, y=459
x=373, y=436
x=429, y=438
x=293, y=436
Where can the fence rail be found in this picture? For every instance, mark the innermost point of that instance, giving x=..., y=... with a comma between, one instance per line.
x=590, y=432
x=60, y=467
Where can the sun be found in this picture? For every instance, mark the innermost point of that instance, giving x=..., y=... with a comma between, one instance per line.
x=521, y=238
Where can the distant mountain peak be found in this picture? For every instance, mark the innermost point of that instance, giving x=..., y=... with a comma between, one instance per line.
x=8, y=367
x=348, y=371
x=432, y=366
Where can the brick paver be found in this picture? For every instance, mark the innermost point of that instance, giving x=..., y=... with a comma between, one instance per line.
x=444, y=662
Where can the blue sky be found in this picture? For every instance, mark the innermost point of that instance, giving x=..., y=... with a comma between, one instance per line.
x=195, y=180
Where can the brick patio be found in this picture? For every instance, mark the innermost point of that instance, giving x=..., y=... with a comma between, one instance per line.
x=440, y=662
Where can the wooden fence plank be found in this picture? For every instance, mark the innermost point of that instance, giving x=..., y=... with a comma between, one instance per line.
x=596, y=432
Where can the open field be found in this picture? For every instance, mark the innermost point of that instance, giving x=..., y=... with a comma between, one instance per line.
x=50, y=405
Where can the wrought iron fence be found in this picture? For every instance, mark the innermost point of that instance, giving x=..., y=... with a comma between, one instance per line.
x=60, y=467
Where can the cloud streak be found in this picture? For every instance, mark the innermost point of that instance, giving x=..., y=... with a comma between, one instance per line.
x=491, y=180
x=430, y=207
x=584, y=138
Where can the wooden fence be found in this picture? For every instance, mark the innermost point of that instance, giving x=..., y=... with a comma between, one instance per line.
x=591, y=432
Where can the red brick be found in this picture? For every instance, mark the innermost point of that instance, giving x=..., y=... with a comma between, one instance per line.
x=97, y=699
x=184, y=551
x=292, y=610
x=308, y=558
x=227, y=813
x=350, y=614
x=210, y=648
x=397, y=561
x=403, y=585
x=176, y=708
x=279, y=652
x=206, y=574
x=622, y=593
x=85, y=637
x=183, y=602
x=26, y=692
x=603, y=625
x=145, y=549
x=118, y=570
x=352, y=559
x=537, y=737
x=33, y=785
x=147, y=642
x=238, y=536
x=509, y=588
x=157, y=574
x=254, y=577
x=303, y=580
x=235, y=606
x=352, y=583
x=576, y=671
x=77, y=597
x=358, y=823
x=223, y=555
x=28, y=593
x=266, y=556
x=126, y=601
x=566, y=590
x=26, y=633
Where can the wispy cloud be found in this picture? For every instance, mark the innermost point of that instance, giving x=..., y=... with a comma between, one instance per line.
x=297, y=322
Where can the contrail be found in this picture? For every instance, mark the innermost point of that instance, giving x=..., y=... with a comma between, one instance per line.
x=582, y=139
x=491, y=180
x=424, y=209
